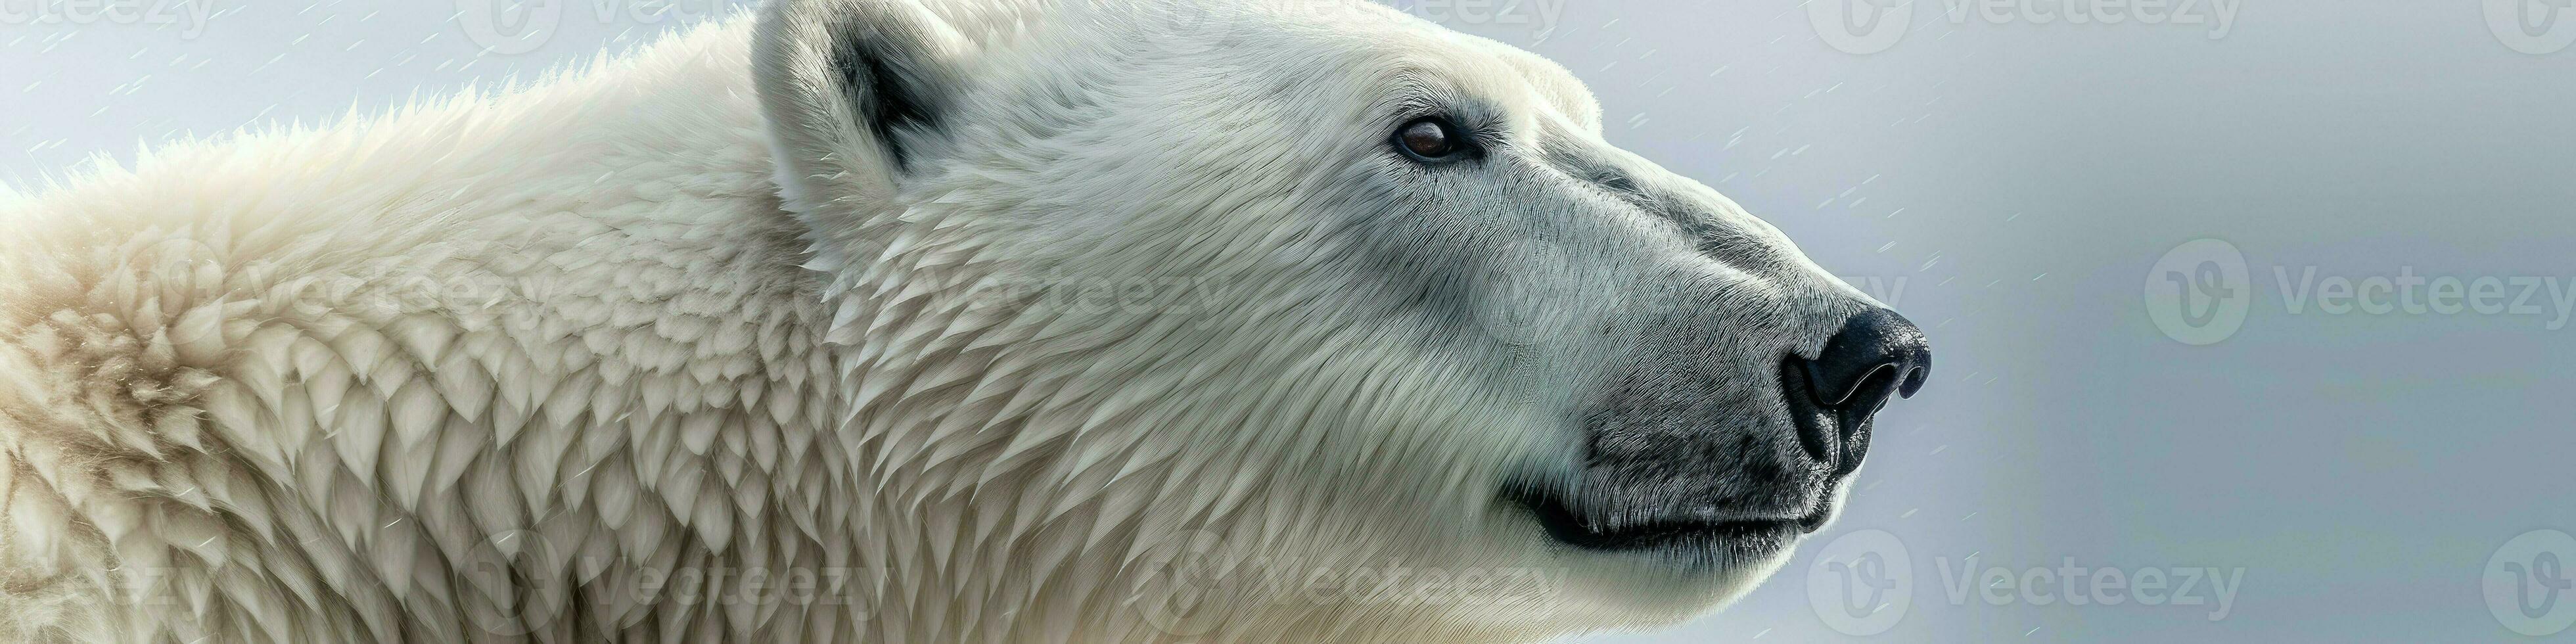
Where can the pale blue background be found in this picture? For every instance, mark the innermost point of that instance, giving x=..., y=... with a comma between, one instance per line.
x=2019, y=179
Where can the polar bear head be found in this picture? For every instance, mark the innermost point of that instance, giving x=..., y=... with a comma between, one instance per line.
x=1300, y=320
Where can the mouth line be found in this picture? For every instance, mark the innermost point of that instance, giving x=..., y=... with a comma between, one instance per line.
x=1565, y=527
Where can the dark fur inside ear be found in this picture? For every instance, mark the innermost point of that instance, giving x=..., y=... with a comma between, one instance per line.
x=885, y=91
x=851, y=87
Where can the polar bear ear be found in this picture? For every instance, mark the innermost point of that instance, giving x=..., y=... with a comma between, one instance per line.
x=846, y=85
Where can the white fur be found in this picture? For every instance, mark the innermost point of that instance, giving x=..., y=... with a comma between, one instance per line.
x=486, y=367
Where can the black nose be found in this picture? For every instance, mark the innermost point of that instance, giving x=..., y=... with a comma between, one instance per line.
x=1877, y=355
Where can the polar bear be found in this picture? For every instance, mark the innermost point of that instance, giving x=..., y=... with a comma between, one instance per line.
x=927, y=321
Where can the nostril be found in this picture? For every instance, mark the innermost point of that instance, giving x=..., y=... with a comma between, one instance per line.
x=1817, y=431
x=1834, y=390
x=1876, y=355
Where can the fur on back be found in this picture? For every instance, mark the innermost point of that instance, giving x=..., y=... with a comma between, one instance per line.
x=295, y=387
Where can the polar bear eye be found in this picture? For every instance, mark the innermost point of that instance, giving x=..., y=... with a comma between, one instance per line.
x=1429, y=139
